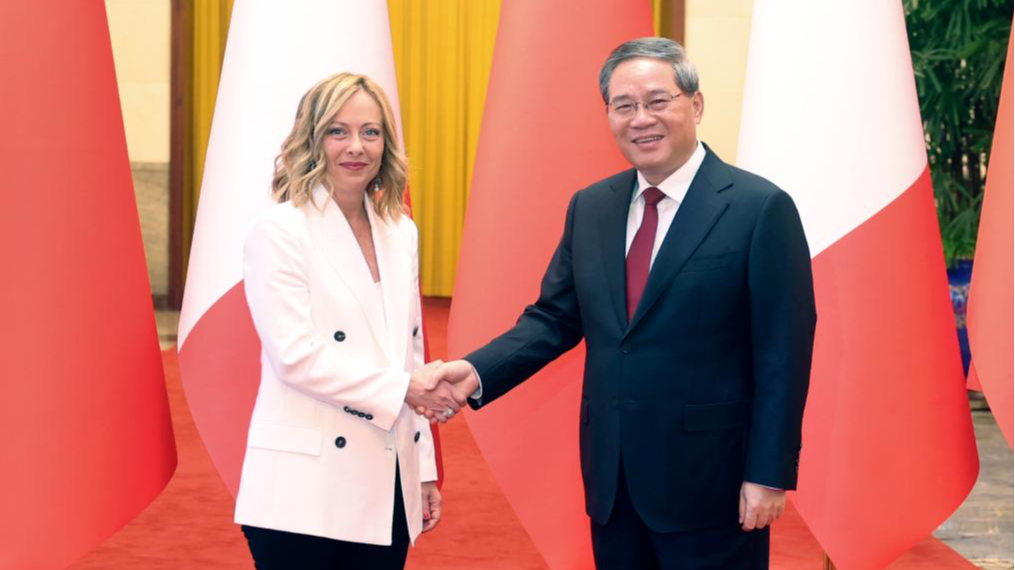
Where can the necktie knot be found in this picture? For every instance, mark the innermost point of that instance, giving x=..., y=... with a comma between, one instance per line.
x=653, y=196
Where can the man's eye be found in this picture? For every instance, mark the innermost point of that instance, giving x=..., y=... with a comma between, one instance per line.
x=624, y=107
x=658, y=104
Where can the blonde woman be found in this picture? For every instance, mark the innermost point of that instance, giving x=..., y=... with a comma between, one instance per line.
x=339, y=471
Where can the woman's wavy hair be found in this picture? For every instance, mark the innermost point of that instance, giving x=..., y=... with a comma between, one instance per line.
x=301, y=165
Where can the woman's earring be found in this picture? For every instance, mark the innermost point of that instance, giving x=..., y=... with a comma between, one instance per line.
x=377, y=184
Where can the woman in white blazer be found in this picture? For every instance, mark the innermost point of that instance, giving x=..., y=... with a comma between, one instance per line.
x=339, y=471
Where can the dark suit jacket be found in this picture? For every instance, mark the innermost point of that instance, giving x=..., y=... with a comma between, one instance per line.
x=705, y=388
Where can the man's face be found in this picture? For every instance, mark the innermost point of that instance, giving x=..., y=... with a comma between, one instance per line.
x=657, y=143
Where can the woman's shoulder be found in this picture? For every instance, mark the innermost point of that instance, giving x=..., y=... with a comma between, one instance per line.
x=278, y=220
x=406, y=226
x=281, y=214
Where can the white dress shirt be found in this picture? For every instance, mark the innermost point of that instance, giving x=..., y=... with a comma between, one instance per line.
x=674, y=188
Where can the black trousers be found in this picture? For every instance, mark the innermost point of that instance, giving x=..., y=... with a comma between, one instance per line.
x=279, y=550
x=626, y=543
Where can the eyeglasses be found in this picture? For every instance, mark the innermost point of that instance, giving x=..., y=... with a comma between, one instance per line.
x=626, y=109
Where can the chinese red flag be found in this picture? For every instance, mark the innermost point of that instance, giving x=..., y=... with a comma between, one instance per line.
x=989, y=312
x=544, y=136
x=87, y=439
x=888, y=447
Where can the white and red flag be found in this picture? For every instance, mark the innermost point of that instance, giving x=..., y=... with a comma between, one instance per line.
x=86, y=440
x=543, y=77
x=275, y=52
x=831, y=116
x=989, y=312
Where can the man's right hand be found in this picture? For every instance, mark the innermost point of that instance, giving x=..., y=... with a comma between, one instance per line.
x=459, y=376
x=461, y=373
x=437, y=400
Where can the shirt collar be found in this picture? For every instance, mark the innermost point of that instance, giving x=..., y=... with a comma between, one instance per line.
x=676, y=185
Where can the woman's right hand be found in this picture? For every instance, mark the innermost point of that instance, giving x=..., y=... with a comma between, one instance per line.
x=438, y=401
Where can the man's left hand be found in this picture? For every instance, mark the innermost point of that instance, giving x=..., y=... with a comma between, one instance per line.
x=760, y=505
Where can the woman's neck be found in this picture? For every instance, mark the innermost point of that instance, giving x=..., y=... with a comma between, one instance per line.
x=351, y=203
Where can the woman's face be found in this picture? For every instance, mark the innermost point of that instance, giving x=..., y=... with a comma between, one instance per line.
x=354, y=143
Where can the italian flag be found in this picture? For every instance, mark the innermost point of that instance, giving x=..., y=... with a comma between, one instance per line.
x=831, y=116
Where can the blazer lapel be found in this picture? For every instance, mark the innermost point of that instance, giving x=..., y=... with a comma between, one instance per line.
x=394, y=265
x=613, y=235
x=333, y=237
x=701, y=208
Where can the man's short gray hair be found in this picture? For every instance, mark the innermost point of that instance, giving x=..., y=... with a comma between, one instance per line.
x=663, y=49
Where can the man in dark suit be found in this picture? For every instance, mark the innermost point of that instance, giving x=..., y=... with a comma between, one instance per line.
x=690, y=282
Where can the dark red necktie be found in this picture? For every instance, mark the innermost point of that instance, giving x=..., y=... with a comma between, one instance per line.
x=639, y=257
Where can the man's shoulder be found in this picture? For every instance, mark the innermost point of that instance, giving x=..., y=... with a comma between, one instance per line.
x=740, y=184
x=622, y=181
x=752, y=183
x=750, y=192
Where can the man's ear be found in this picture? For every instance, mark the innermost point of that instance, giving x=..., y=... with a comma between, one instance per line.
x=698, y=106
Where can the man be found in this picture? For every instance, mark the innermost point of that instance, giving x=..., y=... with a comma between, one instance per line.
x=690, y=282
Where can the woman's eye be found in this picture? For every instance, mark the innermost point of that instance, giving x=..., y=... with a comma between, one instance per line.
x=336, y=131
x=372, y=133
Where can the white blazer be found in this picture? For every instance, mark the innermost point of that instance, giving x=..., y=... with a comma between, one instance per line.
x=330, y=418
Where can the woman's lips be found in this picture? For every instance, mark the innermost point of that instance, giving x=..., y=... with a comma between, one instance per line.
x=354, y=166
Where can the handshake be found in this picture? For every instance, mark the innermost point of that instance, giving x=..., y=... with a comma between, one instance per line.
x=439, y=389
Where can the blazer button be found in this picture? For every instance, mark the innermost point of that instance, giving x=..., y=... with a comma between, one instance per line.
x=339, y=336
x=340, y=442
x=346, y=409
x=415, y=330
x=415, y=437
x=369, y=417
x=625, y=348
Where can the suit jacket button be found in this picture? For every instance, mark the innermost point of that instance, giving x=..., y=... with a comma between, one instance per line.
x=346, y=409
x=361, y=414
x=625, y=348
x=415, y=437
x=415, y=331
x=369, y=417
x=340, y=442
x=339, y=336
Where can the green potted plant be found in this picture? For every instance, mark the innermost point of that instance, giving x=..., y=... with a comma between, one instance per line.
x=958, y=49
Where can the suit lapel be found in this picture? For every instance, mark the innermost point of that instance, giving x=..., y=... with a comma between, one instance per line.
x=613, y=234
x=701, y=208
x=333, y=237
x=393, y=264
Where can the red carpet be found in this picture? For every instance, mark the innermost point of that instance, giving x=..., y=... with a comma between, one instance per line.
x=190, y=524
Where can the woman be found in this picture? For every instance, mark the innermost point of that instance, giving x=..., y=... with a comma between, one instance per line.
x=339, y=472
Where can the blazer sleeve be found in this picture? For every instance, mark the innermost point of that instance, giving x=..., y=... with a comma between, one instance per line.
x=427, y=450
x=546, y=329
x=783, y=320
x=276, y=285
x=426, y=446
